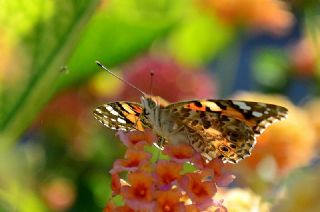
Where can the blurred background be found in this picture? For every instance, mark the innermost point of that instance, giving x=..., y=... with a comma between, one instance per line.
x=55, y=157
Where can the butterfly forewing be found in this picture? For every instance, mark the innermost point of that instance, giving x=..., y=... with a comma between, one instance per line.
x=120, y=116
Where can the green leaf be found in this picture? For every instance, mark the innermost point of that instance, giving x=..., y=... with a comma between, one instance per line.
x=48, y=46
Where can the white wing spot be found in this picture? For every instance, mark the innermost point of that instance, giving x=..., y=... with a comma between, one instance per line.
x=120, y=120
x=108, y=107
x=98, y=110
x=242, y=105
x=213, y=106
x=114, y=112
x=256, y=114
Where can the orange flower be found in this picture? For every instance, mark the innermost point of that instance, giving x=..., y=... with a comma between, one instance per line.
x=111, y=207
x=115, y=184
x=162, y=186
x=140, y=193
x=168, y=201
x=268, y=15
x=199, y=191
x=167, y=172
x=215, y=166
x=134, y=159
x=284, y=146
x=192, y=208
x=137, y=139
x=179, y=153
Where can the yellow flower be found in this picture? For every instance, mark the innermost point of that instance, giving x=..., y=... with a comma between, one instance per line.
x=243, y=200
x=312, y=109
x=302, y=193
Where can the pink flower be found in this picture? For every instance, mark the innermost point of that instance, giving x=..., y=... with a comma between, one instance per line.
x=115, y=184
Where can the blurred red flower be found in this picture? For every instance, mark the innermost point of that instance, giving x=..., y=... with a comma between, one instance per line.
x=303, y=56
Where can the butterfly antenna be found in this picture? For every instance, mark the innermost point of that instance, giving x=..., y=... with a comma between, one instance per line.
x=151, y=82
x=116, y=76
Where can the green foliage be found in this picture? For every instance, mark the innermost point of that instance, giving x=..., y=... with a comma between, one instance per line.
x=109, y=36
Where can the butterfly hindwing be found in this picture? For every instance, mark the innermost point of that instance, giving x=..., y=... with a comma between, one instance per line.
x=228, y=128
x=120, y=116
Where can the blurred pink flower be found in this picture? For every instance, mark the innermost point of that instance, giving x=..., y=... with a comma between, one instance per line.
x=59, y=194
x=303, y=56
x=171, y=80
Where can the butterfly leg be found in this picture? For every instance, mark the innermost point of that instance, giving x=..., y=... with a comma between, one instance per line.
x=160, y=143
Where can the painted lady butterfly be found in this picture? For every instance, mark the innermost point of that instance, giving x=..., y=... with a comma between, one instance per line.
x=226, y=129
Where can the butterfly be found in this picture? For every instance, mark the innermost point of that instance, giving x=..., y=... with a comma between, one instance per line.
x=225, y=129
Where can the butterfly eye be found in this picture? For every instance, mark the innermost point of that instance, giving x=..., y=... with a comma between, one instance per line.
x=152, y=104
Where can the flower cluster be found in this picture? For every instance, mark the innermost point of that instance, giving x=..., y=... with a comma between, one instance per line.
x=165, y=184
